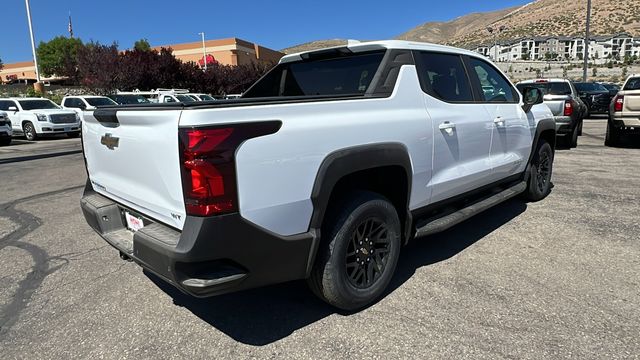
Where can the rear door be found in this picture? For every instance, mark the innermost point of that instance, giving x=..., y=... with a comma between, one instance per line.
x=511, y=135
x=133, y=158
x=461, y=127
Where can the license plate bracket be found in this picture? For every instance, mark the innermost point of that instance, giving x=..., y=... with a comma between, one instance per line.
x=134, y=223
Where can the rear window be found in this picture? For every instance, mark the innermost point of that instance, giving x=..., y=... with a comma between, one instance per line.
x=345, y=75
x=548, y=88
x=582, y=87
x=632, y=84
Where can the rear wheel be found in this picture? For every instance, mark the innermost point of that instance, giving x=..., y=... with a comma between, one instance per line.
x=29, y=131
x=356, y=261
x=612, y=137
x=540, y=171
x=573, y=137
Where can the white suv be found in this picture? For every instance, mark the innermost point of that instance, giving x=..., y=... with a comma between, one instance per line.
x=5, y=129
x=85, y=102
x=34, y=117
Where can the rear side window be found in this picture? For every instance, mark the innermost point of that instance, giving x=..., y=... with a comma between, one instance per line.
x=6, y=104
x=345, y=75
x=443, y=76
x=495, y=88
x=549, y=88
x=632, y=84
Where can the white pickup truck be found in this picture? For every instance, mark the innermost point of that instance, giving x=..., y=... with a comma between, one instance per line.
x=321, y=171
x=624, y=112
x=34, y=117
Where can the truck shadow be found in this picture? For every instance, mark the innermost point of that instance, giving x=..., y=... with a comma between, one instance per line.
x=265, y=315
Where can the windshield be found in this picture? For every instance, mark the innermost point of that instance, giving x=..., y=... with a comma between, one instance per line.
x=549, y=88
x=205, y=97
x=129, y=99
x=100, y=101
x=632, y=84
x=37, y=104
x=582, y=87
x=340, y=75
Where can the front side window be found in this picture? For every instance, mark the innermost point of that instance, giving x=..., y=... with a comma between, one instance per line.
x=495, y=88
x=349, y=74
x=443, y=76
x=37, y=104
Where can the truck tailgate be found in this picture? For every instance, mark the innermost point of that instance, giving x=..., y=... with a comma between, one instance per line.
x=136, y=161
x=555, y=103
x=632, y=101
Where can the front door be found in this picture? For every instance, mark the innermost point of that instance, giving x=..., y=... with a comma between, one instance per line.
x=511, y=130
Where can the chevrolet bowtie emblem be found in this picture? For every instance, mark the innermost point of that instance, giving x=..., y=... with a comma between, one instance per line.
x=111, y=142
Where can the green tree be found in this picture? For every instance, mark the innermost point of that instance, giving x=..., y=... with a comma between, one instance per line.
x=594, y=73
x=58, y=56
x=624, y=72
x=142, y=45
x=564, y=73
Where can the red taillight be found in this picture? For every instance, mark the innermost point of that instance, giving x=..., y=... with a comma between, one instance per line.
x=618, y=102
x=542, y=81
x=568, y=108
x=207, y=156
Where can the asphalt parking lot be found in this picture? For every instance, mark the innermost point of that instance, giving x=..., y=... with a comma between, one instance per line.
x=555, y=279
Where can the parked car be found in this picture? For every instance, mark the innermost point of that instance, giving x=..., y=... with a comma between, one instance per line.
x=124, y=99
x=613, y=88
x=5, y=129
x=201, y=97
x=624, y=114
x=34, y=117
x=168, y=98
x=568, y=109
x=596, y=97
x=323, y=170
x=85, y=102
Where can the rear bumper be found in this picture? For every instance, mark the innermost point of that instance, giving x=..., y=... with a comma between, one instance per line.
x=564, y=125
x=211, y=256
x=620, y=121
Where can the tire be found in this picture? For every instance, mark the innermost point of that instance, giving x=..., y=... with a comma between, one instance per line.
x=29, y=131
x=573, y=138
x=73, y=135
x=612, y=137
x=540, y=171
x=344, y=273
x=580, y=128
x=5, y=141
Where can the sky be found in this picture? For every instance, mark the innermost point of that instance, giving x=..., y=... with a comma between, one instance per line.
x=273, y=24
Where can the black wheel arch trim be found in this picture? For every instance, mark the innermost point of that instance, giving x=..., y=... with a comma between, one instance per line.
x=347, y=161
x=543, y=125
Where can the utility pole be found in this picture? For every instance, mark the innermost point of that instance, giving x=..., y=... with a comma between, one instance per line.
x=204, y=53
x=586, y=43
x=495, y=40
x=33, y=44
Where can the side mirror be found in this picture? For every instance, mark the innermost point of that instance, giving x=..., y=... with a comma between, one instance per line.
x=531, y=96
x=12, y=108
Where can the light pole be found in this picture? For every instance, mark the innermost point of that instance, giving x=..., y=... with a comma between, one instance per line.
x=586, y=43
x=495, y=40
x=33, y=42
x=204, y=52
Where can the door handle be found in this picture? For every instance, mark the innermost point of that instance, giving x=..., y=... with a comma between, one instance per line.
x=447, y=127
x=498, y=121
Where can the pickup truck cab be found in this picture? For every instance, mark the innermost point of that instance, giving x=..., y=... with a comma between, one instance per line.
x=33, y=117
x=85, y=102
x=201, y=97
x=5, y=129
x=624, y=112
x=561, y=96
x=323, y=169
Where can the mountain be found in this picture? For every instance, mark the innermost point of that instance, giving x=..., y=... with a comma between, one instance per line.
x=543, y=18
x=538, y=18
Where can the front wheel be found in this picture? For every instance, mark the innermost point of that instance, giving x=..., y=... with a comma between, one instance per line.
x=359, y=255
x=73, y=135
x=29, y=131
x=539, y=185
x=5, y=141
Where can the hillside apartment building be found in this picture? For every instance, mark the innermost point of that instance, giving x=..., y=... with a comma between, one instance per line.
x=601, y=48
x=232, y=51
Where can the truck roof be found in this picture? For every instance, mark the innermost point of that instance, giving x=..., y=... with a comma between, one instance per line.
x=532, y=81
x=356, y=46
